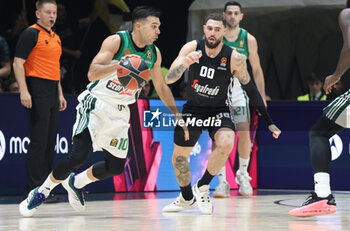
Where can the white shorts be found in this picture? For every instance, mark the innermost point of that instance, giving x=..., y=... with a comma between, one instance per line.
x=108, y=126
x=239, y=103
x=344, y=118
x=339, y=110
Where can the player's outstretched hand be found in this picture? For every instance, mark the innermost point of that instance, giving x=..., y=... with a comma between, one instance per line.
x=329, y=82
x=275, y=131
x=192, y=57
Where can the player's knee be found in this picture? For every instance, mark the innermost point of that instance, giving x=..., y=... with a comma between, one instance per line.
x=323, y=128
x=315, y=134
x=115, y=167
x=77, y=161
x=225, y=144
x=115, y=171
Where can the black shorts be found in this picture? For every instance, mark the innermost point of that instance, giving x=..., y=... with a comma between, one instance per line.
x=196, y=123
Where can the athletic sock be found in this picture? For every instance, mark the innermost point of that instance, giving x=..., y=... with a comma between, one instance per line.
x=206, y=178
x=322, y=186
x=186, y=192
x=222, y=175
x=47, y=186
x=243, y=165
x=82, y=179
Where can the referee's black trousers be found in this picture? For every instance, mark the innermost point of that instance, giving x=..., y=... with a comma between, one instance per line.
x=43, y=125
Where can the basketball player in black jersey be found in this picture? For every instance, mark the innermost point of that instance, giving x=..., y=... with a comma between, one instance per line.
x=211, y=66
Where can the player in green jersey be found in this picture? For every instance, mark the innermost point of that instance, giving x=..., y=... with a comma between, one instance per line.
x=245, y=44
x=103, y=114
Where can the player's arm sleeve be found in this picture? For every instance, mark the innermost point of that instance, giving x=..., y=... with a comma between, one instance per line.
x=257, y=101
x=26, y=43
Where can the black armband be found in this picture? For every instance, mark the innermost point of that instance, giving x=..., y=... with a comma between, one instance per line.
x=257, y=101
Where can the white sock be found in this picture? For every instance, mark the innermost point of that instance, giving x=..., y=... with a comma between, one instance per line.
x=322, y=185
x=243, y=165
x=82, y=179
x=47, y=186
x=222, y=175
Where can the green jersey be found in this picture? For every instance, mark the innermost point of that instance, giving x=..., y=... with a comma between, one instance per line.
x=149, y=54
x=109, y=89
x=241, y=43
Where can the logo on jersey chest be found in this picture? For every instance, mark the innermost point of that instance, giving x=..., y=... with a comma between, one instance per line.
x=205, y=89
x=241, y=43
x=222, y=65
x=127, y=52
x=114, y=85
x=149, y=54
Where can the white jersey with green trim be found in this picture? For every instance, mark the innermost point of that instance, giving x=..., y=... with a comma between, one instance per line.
x=110, y=90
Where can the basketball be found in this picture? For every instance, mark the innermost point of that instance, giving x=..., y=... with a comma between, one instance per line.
x=133, y=72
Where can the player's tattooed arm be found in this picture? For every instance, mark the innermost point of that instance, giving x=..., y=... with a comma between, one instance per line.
x=187, y=56
x=239, y=66
x=245, y=78
x=175, y=73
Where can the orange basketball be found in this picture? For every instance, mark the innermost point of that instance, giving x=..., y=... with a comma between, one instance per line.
x=133, y=72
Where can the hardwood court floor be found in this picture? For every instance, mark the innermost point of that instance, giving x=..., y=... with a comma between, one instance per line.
x=265, y=211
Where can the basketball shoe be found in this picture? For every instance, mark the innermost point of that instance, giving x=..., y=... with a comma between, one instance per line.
x=202, y=197
x=75, y=195
x=242, y=179
x=29, y=206
x=180, y=204
x=222, y=190
x=315, y=205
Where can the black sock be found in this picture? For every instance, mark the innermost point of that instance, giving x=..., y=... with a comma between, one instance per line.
x=206, y=178
x=187, y=192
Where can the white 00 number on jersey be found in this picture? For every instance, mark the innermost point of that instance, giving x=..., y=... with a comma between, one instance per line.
x=207, y=72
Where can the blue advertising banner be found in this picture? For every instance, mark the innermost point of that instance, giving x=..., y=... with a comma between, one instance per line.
x=282, y=164
x=285, y=163
x=14, y=141
x=165, y=135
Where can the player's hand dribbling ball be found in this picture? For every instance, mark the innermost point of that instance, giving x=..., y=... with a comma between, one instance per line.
x=133, y=72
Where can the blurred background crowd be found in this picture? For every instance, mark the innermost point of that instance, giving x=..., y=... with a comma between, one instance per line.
x=298, y=46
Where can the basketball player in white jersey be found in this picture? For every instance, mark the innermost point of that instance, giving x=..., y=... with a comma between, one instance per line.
x=103, y=114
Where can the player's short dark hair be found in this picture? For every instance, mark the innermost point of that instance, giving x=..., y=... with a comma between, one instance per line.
x=40, y=3
x=216, y=17
x=232, y=3
x=348, y=4
x=142, y=12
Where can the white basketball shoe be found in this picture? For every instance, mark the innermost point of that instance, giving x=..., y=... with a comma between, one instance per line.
x=180, y=204
x=202, y=198
x=75, y=195
x=222, y=190
x=242, y=179
x=29, y=206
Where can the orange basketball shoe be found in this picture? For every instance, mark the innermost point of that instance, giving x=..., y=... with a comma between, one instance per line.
x=315, y=205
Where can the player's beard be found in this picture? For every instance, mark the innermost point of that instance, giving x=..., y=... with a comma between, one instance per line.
x=212, y=46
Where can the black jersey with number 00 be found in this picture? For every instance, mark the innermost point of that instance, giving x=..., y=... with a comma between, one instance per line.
x=208, y=81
